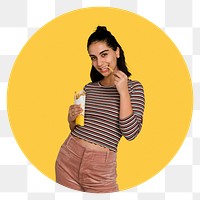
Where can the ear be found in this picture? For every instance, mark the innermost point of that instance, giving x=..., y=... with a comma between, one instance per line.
x=117, y=52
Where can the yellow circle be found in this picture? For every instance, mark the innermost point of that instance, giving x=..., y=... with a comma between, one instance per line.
x=54, y=63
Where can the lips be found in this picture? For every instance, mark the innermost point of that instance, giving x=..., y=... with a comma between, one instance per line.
x=103, y=69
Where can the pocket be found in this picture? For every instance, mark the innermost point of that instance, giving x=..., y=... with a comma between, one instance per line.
x=100, y=172
x=63, y=156
x=66, y=141
x=68, y=147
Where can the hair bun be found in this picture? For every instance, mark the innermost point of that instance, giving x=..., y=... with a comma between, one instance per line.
x=101, y=29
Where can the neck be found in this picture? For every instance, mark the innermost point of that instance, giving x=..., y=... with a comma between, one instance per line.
x=108, y=81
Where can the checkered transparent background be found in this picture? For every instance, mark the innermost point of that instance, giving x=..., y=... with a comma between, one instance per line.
x=19, y=19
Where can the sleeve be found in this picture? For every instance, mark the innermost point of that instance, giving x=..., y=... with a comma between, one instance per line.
x=132, y=125
x=86, y=87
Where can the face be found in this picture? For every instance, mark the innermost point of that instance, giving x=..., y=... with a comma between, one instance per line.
x=102, y=57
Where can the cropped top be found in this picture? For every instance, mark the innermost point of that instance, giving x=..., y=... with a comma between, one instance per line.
x=102, y=123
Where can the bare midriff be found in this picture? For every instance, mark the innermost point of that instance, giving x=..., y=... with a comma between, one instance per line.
x=90, y=145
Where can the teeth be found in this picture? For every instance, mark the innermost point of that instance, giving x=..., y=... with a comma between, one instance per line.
x=103, y=68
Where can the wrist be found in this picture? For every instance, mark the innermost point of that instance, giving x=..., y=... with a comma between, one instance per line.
x=72, y=125
x=124, y=93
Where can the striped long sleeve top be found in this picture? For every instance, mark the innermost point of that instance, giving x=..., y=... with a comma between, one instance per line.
x=102, y=123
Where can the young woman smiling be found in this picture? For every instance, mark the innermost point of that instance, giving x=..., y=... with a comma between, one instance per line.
x=114, y=108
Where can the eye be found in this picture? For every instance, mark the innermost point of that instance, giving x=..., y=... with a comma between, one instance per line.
x=104, y=54
x=93, y=58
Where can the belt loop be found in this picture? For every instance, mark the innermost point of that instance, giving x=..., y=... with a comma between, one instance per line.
x=107, y=155
x=69, y=139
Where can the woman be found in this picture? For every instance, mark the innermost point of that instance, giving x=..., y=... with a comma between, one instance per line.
x=114, y=108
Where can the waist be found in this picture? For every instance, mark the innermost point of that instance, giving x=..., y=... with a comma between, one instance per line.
x=89, y=145
x=73, y=144
x=104, y=137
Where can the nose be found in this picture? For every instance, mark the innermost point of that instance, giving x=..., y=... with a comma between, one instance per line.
x=99, y=62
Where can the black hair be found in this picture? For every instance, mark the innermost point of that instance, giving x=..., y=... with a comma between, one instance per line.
x=102, y=34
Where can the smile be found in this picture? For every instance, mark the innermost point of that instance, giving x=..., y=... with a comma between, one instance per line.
x=103, y=69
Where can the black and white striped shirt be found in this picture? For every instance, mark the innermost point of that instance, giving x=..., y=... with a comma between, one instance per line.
x=102, y=123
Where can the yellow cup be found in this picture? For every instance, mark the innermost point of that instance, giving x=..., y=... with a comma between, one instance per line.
x=80, y=120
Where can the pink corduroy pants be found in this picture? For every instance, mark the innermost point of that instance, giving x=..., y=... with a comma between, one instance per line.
x=83, y=169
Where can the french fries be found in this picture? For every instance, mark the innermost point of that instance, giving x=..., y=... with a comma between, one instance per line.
x=110, y=69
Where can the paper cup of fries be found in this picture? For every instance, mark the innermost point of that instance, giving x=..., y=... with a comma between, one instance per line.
x=79, y=99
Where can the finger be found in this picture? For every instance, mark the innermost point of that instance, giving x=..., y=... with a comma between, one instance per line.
x=78, y=109
x=73, y=116
x=77, y=112
x=74, y=111
x=121, y=74
x=118, y=74
x=75, y=106
x=72, y=108
x=115, y=82
x=115, y=74
x=116, y=78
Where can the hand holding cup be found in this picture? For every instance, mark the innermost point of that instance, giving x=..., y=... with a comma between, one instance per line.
x=74, y=111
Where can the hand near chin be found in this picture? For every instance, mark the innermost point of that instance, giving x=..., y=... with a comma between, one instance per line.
x=121, y=82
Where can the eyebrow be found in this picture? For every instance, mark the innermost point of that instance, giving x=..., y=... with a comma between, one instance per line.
x=100, y=52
